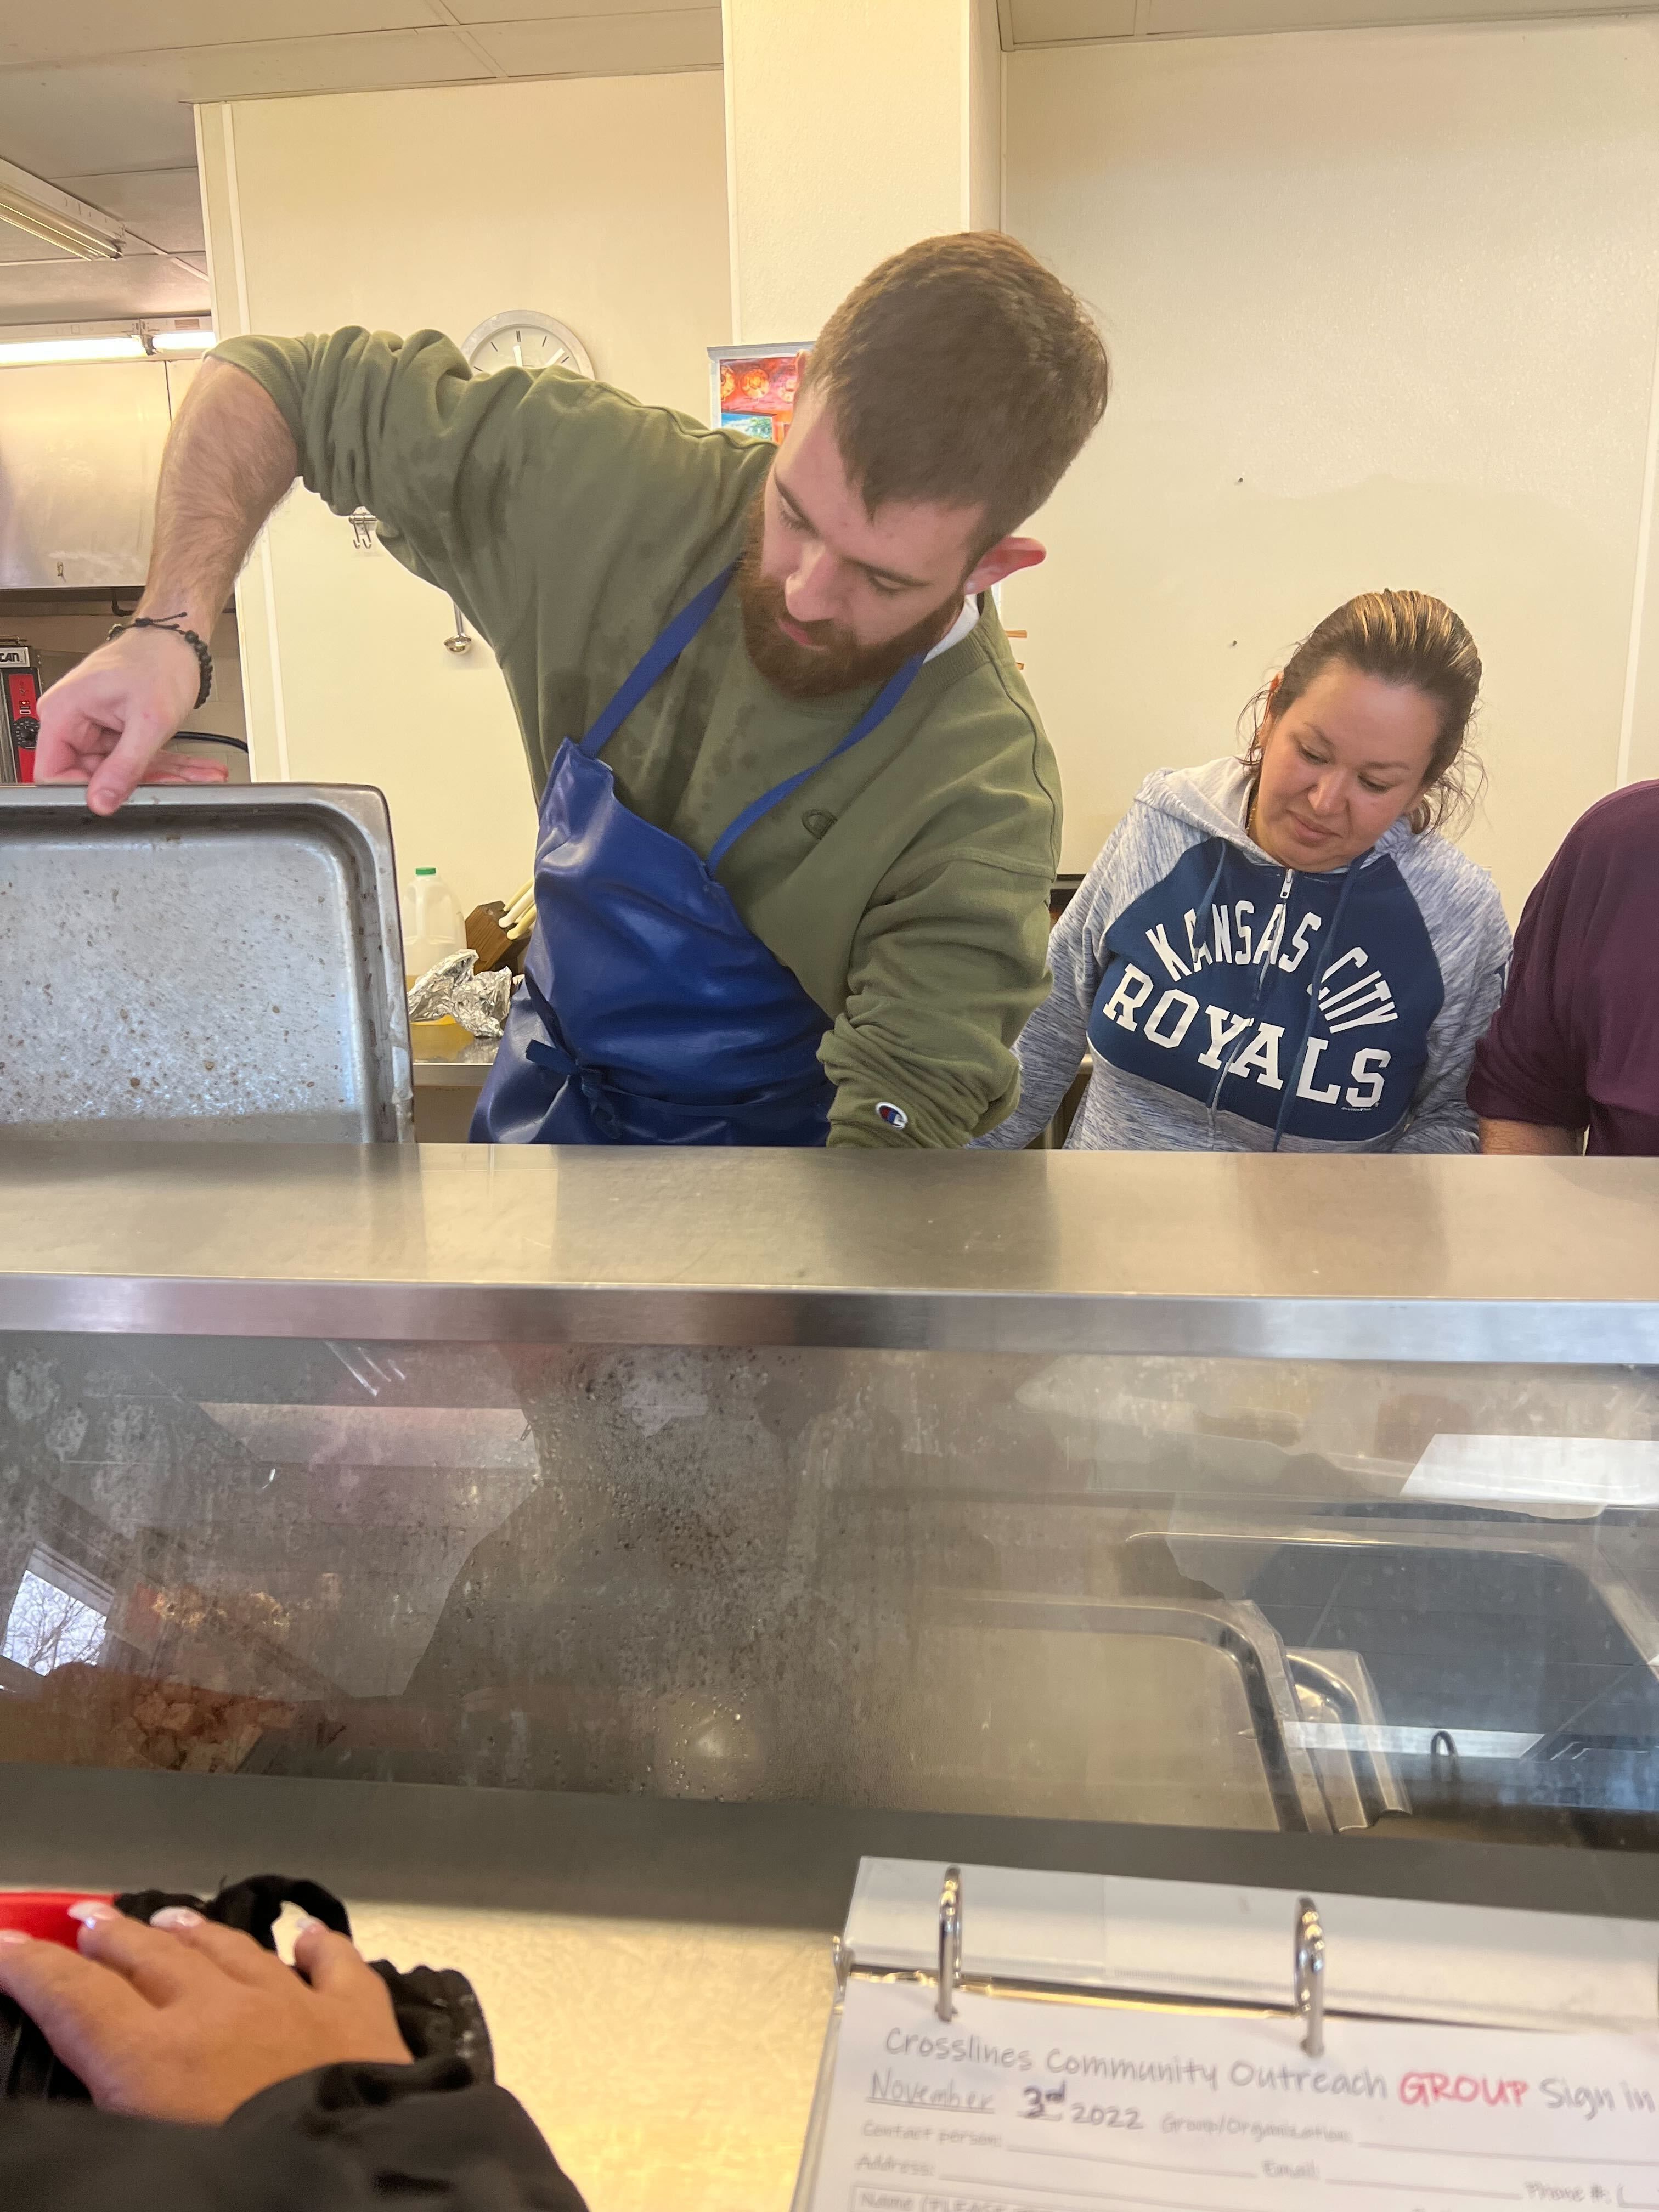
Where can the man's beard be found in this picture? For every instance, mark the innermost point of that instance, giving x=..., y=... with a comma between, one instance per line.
x=836, y=661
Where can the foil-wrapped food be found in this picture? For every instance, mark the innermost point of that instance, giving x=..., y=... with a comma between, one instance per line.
x=453, y=989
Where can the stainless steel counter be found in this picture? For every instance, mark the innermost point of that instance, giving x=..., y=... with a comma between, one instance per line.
x=447, y=1059
x=694, y=1937
x=450, y=1068
x=1422, y=1259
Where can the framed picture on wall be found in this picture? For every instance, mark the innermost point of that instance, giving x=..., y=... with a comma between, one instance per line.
x=752, y=388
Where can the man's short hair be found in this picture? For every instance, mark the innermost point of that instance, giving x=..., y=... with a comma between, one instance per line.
x=961, y=371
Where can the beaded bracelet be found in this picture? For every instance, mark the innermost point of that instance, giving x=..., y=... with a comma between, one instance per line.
x=175, y=623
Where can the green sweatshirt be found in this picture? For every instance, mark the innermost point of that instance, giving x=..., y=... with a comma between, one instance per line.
x=906, y=887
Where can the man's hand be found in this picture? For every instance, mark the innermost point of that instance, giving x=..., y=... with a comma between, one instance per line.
x=105, y=721
x=185, y=2020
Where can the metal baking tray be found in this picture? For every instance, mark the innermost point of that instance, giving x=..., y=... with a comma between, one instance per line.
x=1190, y=1711
x=217, y=964
x=1509, y=1665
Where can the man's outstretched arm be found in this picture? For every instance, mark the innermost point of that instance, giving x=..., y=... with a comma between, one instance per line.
x=229, y=459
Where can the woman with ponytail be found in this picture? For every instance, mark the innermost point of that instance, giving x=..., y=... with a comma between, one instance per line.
x=1285, y=952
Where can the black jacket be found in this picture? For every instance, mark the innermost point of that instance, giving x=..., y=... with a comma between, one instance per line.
x=336, y=2139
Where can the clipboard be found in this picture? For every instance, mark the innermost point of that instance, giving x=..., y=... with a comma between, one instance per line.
x=1568, y=1971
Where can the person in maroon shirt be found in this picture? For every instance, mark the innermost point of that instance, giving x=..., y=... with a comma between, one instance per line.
x=1575, y=1045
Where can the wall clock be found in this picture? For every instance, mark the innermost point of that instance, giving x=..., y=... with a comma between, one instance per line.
x=524, y=337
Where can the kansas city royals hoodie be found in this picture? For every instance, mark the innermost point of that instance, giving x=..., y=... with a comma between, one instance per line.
x=1232, y=1004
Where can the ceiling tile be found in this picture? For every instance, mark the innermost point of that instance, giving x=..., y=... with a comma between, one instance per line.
x=1223, y=16
x=101, y=30
x=517, y=11
x=1054, y=23
x=98, y=291
x=1057, y=22
x=113, y=116
x=365, y=61
x=608, y=46
x=134, y=114
x=165, y=204
x=17, y=247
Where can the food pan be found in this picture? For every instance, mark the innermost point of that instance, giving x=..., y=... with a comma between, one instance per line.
x=211, y=963
x=1511, y=1665
x=1195, y=1710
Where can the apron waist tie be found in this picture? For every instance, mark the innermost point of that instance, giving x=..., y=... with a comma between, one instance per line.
x=555, y=1055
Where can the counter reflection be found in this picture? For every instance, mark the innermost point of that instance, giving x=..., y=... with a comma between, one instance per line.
x=1223, y=1593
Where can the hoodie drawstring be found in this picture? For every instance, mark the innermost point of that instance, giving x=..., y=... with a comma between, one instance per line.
x=1201, y=920
x=1261, y=963
x=1294, y=1075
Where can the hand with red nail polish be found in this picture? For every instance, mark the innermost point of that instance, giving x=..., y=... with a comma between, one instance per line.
x=185, y=2020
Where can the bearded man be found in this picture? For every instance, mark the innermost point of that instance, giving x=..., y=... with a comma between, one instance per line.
x=799, y=821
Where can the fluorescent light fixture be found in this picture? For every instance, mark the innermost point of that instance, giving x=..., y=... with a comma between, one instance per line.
x=19, y=213
x=30, y=204
x=183, y=341
x=18, y=353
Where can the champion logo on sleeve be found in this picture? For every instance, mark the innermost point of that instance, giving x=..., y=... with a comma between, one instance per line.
x=894, y=1116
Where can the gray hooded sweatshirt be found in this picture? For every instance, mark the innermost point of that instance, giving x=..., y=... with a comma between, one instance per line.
x=1231, y=1004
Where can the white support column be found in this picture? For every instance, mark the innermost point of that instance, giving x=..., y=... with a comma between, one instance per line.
x=264, y=713
x=853, y=127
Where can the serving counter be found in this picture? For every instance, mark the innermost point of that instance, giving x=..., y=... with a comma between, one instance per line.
x=714, y=1516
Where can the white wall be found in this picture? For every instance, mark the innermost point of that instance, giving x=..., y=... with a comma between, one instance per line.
x=1383, y=307
x=80, y=446
x=851, y=131
x=601, y=201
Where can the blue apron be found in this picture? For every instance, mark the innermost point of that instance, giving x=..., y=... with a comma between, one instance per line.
x=649, y=1013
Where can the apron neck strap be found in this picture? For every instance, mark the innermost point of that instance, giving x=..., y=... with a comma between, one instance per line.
x=877, y=711
x=656, y=661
